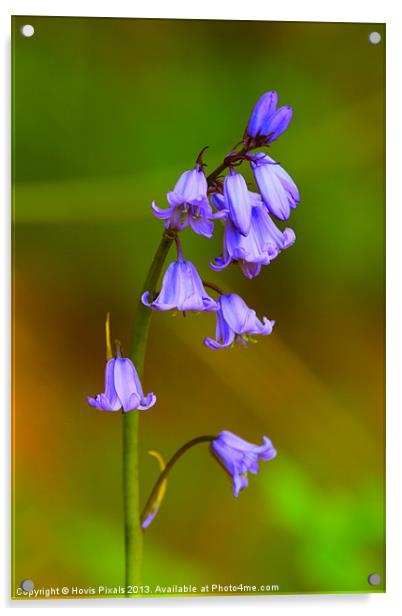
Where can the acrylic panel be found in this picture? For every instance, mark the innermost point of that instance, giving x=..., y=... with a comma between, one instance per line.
x=157, y=449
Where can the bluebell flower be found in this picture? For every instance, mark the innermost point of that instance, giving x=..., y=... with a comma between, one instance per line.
x=237, y=201
x=236, y=322
x=263, y=109
x=259, y=247
x=266, y=121
x=122, y=388
x=238, y=457
x=182, y=290
x=188, y=204
x=278, y=190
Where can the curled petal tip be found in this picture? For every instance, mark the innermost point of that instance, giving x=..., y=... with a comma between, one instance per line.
x=147, y=402
x=149, y=519
x=213, y=344
x=268, y=325
x=289, y=237
x=159, y=212
x=91, y=401
x=144, y=299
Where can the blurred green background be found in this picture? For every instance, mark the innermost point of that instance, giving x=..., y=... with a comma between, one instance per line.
x=106, y=114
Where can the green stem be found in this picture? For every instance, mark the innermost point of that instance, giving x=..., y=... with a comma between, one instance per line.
x=216, y=173
x=213, y=286
x=132, y=526
x=166, y=470
x=142, y=320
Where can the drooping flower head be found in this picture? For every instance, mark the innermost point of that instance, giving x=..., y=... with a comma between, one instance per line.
x=123, y=389
x=188, y=204
x=278, y=190
x=239, y=457
x=266, y=121
x=182, y=290
x=259, y=247
x=235, y=322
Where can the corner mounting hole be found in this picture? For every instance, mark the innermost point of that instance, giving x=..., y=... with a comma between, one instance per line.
x=27, y=30
x=27, y=585
x=374, y=38
x=374, y=579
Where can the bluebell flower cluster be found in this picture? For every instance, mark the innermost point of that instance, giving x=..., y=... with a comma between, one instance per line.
x=262, y=244
x=251, y=238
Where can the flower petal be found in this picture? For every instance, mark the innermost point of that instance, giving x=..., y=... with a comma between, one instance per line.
x=236, y=313
x=149, y=518
x=125, y=380
x=289, y=237
x=237, y=198
x=218, y=201
x=250, y=270
x=288, y=183
x=269, y=452
x=108, y=401
x=269, y=238
x=261, y=113
x=161, y=213
x=277, y=123
x=239, y=483
x=224, y=335
x=196, y=291
x=147, y=402
x=220, y=263
x=272, y=191
x=182, y=289
x=166, y=299
x=192, y=184
x=202, y=226
x=239, y=457
x=175, y=199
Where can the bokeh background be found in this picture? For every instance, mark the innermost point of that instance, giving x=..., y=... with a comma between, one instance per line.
x=106, y=114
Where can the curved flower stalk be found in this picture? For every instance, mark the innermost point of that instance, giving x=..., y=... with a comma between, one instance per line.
x=158, y=491
x=259, y=247
x=188, y=204
x=239, y=457
x=153, y=507
x=236, y=322
x=278, y=190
